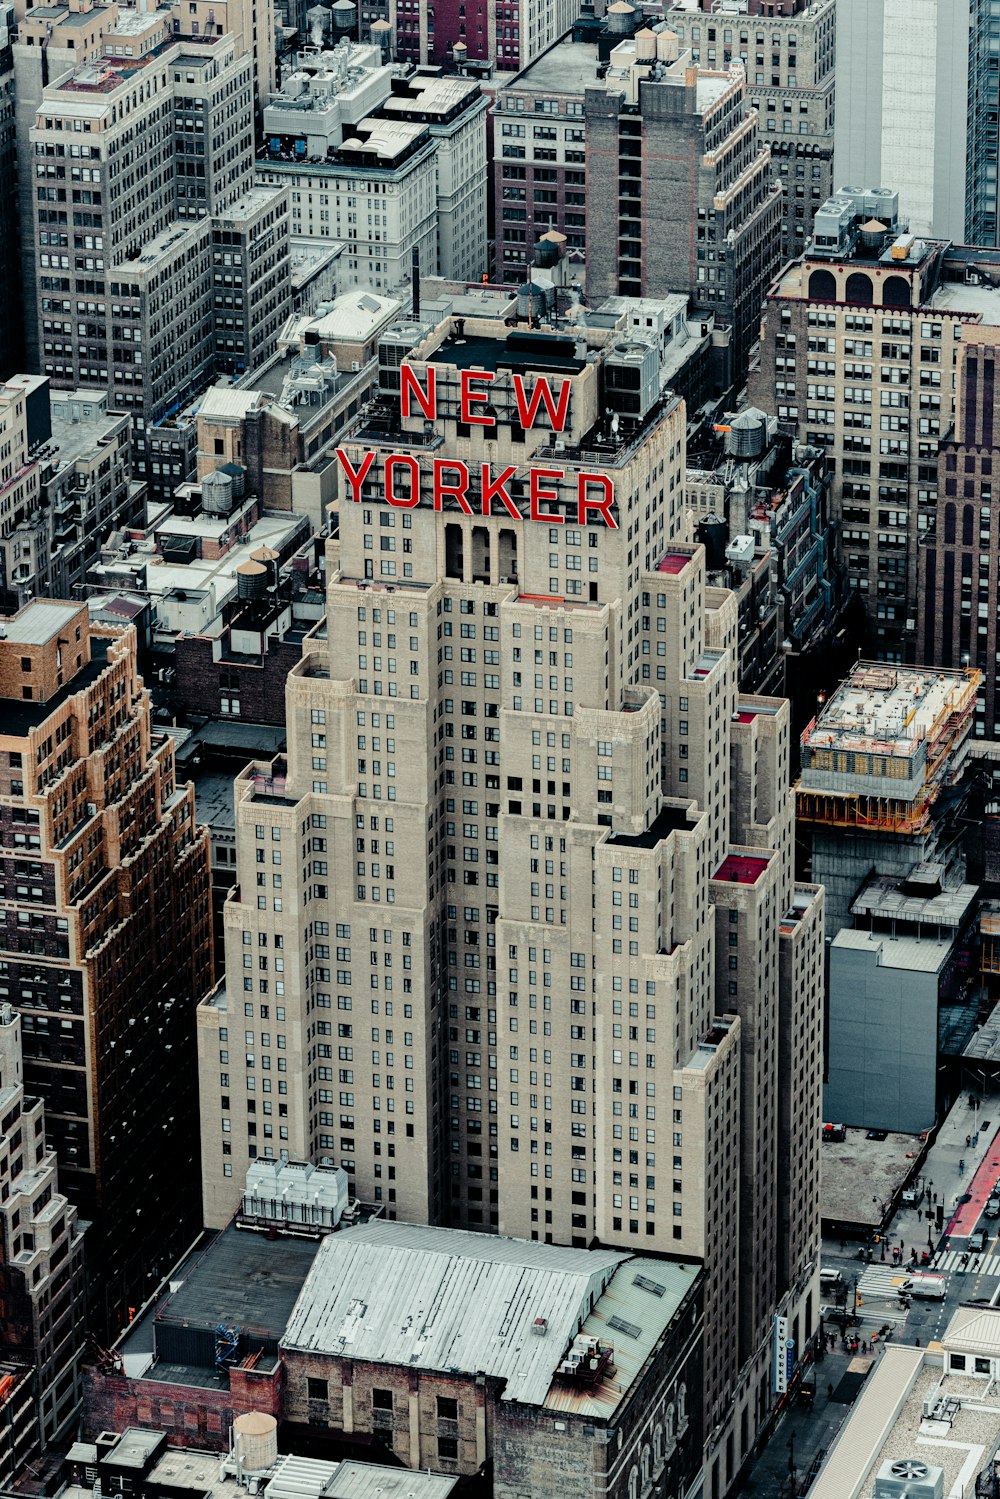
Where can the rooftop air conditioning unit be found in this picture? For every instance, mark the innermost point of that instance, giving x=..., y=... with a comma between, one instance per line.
x=909, y=1478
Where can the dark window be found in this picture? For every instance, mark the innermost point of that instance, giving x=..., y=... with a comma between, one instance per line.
x=447, y=1409
x=858, y=288
x=448, y=1447
x=822, y=286
x=317, y=1389
x=381, y=1400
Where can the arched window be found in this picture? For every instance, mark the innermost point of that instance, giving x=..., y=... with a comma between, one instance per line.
x=658, y=1447
x=822, y=286
x=669, y=1420
x=682, y=1419
x=858, y=288
x=895, y=292
x=645, y=1467
x=633, y=1484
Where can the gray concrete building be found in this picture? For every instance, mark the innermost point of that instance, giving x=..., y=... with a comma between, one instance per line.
x=894, y=1008
x=167, y=268
x=916, y=105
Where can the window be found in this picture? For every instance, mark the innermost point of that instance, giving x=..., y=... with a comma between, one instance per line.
x=448, y=1448
x=447, y=1409
x=317, y=1389
x=381, y=1400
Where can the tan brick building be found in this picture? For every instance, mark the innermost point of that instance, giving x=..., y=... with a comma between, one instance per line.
x=105, y=937
x=507, y=936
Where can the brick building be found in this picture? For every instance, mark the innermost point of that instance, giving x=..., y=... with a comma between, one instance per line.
x=105, y=945
x=958, y=559
x=183, y=1375
x=501, y=1352
x=239, y=668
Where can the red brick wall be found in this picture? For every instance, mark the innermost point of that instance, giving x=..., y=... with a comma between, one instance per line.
x=192, y=1416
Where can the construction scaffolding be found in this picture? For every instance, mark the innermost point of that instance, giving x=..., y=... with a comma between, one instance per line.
x=885, y=746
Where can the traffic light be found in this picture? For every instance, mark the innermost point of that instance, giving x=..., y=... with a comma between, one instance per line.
x=878, y=1238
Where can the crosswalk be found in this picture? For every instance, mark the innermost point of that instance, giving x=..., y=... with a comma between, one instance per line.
x=884, y=1280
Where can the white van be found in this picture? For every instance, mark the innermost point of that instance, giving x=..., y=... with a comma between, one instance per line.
x=829, y=1278
x=923, y=1287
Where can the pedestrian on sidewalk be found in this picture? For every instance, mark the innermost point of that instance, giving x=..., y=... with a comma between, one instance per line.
x=829, y=1392
x=968, y=1141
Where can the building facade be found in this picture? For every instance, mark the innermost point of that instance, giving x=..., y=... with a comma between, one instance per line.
x=191, y=278
x=392, y=165
x=916, y=106
x=450, y=1396
x=957, y=619
x=540, y=687
x=107, y=939
x=42, y=1286
x=68, y=477
x=486, y=35
x=859, y=354
x=651, y=164
x=787, y=51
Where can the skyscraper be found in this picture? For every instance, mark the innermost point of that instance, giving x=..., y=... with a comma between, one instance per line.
x=106, y=946
x=916, y=108
x=516, y=938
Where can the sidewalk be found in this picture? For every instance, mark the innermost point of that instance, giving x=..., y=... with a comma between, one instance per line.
x=940, y=1175
x=807, y=1429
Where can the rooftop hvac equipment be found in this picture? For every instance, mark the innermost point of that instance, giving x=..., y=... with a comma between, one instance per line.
x=740, y=551
x=631, y=380
x=909, y=1478
x=394, y=344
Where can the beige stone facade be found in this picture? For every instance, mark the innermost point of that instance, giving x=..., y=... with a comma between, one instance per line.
x=490, y=970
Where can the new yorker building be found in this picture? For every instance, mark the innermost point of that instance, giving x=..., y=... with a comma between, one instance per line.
x=105, y=938
x=515, y=937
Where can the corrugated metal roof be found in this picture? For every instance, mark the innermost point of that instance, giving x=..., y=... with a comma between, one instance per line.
x=915, y=954
x=369, y=1481
x=863, y=1435
x=628, y=1299
x=449, y=1300
x=974, y=1329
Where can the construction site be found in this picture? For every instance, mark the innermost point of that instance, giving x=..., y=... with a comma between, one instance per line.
x=881, y=784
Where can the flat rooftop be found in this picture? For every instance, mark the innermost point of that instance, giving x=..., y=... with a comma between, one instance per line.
x=38, y=622
x=566, y=68
x=243, y=1280
x=852, y=1170
x=80, y=420
x=883, y=710
x=537, y=352
x=673, y=562
x=671, y=817
x=742, y=869
x=295, y=1477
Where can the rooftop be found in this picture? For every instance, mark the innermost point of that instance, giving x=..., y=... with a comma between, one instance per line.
x=463, y=1303
x=38, y=622
x=80, y=421
x=674, y=562
x=742, y=869
x=885, y=709
x=566, y=68
x=538, y=352
x=295, y=1477
x=912, y=954
x=672, y=816
x=239, y=1278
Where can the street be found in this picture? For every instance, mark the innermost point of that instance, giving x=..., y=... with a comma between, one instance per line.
x=960, y=1172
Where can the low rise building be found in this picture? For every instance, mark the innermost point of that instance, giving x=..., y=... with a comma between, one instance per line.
x=565, y=1370
x=926, y=1421
x=898, y=1004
